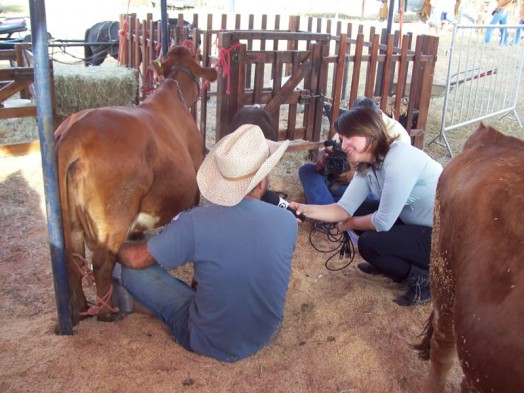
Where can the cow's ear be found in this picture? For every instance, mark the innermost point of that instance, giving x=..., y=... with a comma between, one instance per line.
x=158, y=69
x=208, y=73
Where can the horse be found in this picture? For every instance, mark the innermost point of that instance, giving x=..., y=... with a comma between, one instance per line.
x=100, y=33
x=105, y=39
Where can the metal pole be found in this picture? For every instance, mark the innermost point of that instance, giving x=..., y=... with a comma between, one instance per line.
x=165, y=22
x=390, y=16
x=47, y=147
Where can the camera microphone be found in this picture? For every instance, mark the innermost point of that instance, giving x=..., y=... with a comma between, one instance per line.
x=272, y=198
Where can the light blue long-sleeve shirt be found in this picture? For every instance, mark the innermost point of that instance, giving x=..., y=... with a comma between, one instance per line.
x=405, y=183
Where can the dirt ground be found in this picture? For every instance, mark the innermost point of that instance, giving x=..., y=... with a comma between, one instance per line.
x=341, y=331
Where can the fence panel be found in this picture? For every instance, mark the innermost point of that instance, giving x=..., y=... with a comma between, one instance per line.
x=363, y=72
x=483, y=78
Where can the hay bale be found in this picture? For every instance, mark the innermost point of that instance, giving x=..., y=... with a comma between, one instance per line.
x=78, y=88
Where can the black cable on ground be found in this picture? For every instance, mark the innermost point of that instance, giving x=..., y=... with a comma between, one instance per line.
x=344, y=246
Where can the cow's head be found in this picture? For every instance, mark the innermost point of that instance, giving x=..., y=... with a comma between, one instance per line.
x=483, y=136
x=182, y=57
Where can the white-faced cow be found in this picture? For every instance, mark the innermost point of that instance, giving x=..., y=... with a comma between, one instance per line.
x=123, y=170
x=477, y=267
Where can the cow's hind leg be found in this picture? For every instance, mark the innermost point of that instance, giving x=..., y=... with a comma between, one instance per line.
x=443, y=350
x=104, y=259
x=103, y=265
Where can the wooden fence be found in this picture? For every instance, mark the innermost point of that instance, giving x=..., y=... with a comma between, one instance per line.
x=293, y=72
x=18, y=79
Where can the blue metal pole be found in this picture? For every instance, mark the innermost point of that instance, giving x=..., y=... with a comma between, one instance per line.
x=165, y=23
x=47, y=147
x=390, y=17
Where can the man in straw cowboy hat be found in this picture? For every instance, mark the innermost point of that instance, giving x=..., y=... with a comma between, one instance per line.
x=241, y=250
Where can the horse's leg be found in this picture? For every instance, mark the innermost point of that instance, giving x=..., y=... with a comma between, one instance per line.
x=88, y=52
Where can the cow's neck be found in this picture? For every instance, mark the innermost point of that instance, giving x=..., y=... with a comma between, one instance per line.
x=179, y=75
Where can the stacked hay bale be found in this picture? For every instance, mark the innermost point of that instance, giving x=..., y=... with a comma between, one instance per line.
x=78, y=88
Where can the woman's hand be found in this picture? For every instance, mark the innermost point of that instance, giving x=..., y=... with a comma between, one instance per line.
x=326, y=213
x=344, y=226
x=299, y=208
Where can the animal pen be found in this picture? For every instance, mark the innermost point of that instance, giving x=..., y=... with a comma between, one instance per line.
x=292, y=73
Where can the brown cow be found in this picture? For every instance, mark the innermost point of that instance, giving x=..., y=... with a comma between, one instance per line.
x=123, y=170
x=477, y=267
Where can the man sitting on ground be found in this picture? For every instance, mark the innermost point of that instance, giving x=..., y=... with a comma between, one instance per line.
x=241, y=249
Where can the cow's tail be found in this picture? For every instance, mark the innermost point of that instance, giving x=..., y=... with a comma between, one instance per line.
x=424, y=347
x=69, y=218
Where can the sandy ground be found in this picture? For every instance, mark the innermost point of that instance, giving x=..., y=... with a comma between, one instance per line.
x=341, y=330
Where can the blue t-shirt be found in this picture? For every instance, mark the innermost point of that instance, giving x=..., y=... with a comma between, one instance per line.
x=242, y=264
x=405, y=183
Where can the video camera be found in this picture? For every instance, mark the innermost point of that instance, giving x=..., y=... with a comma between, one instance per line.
x=337, y=162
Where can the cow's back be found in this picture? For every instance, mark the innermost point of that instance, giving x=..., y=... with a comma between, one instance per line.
x=477, y=266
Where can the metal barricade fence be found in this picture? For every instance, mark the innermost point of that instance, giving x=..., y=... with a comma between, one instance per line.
x=483, y=77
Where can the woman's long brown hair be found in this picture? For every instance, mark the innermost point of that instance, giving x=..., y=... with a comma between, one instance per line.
x=364, y=121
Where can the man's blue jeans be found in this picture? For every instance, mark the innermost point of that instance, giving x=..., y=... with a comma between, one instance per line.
x=502, y=18
x=315, y=188
x=165, y=296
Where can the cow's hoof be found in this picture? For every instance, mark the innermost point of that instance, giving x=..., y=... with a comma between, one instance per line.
x=109, y=317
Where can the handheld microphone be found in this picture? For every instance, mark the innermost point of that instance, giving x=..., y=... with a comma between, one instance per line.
x=273, y=198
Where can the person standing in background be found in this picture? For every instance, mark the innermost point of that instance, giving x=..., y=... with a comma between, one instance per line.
x=516, y=39
x=500, y=16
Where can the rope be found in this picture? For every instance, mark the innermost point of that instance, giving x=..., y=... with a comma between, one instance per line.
x=123, y=40
x=224, y=60
x=224, y=56
x=149, y=85
x=188, y=44
x=87, y=275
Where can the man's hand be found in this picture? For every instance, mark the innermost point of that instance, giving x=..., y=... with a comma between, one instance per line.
x=135, y=255
x=345, y=177
x=322, y=155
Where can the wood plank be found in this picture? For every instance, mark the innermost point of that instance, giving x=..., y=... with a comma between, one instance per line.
x=20, y=111
x=19, y=149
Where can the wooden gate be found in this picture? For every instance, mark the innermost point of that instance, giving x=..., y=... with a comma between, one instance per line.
x=282, y=81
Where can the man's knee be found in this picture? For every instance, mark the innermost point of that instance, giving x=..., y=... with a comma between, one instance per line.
x=307, y=170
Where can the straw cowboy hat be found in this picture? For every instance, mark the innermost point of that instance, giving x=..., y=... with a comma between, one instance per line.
x=236, y=164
